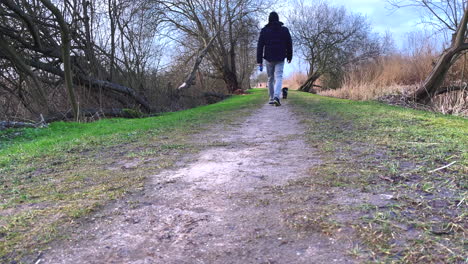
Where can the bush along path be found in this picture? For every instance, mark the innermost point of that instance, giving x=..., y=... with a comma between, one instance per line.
x=317, y=180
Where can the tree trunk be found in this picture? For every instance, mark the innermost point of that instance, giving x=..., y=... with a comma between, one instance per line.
x=88, y=45
x=434, y=81
x=230, y=79
x=66, y=44
x=112, y=18
x=191, y=76
x=232, y=43
x=308, y=86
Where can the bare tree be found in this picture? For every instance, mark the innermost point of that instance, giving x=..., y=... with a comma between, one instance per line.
x=105, y=54
x=246, y=56
x=447, y=16
x=330, y=38
x=50, y=43
x=198, y=20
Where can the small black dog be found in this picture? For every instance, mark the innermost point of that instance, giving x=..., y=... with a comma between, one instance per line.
x=285, y=92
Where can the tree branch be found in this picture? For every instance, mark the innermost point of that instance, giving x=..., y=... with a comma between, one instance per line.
x=191, y=77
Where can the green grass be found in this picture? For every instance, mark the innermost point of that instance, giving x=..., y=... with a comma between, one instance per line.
x=70, y=136
x=51, y=176
x=373, y=148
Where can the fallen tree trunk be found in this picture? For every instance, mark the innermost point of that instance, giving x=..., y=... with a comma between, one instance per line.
x=216, y=95
x=11, y=124
x=98, y=113
x=94, y=83
x=449, y=89
x=79, y=79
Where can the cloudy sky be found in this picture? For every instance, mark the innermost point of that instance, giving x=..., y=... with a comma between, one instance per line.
x=382, y=17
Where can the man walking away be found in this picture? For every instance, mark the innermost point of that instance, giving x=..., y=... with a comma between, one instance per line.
x=274, y=45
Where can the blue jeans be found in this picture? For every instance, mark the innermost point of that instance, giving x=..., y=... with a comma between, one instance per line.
x=275, y=77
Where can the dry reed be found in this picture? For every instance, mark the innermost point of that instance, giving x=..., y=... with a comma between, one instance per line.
x=400, y=75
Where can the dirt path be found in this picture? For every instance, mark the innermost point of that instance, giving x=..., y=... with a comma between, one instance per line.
x=222, y=206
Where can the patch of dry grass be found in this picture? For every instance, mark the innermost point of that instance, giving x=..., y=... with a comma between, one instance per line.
x=394, y=74
x=295, y=81
x=400, y=75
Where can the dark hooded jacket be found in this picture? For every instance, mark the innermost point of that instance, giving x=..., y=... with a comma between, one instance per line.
x=275, y=43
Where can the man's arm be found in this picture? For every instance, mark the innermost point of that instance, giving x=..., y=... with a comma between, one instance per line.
x=260, y=46
x=289, y=46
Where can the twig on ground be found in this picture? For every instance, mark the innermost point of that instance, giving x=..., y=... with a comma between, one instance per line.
x=425, y=143
x=386, y=178
x=443, y=167
x=448, y=249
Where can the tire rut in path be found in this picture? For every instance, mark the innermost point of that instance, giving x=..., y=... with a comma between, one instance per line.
x=219, y=207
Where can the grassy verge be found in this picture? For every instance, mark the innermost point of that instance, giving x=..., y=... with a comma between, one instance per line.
x=381, y=164
x=53, y=176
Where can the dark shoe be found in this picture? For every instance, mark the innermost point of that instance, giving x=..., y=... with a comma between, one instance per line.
x=277, y=101
x=271, y=101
